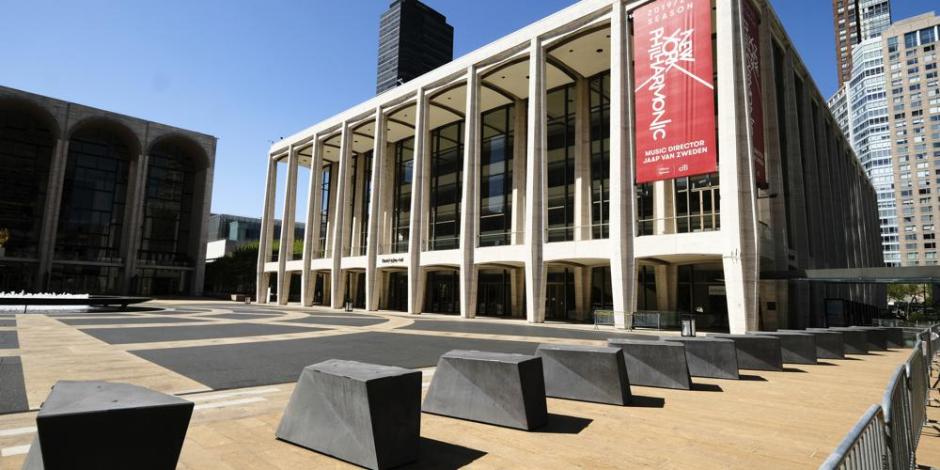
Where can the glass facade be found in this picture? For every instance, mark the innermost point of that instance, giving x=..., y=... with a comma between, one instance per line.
x=325, y=185
x=92, y=213
x=366, y=165
x=445, y=190
x=26, y=146
x=168, y=204
x=401, y=201
x=561, y=161
x=697, y=203
x=494, y=293
x=560, y=295
x=443, y=292
x=496, y=176
x=600, y=155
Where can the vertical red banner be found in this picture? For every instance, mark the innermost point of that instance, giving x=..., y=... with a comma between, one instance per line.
x=750, y=25
x=674, y=96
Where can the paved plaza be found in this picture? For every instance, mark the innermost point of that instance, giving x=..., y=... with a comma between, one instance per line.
x=238, y=363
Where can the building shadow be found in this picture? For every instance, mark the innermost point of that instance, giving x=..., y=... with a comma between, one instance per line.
x=751, y=378
x=443, y=455
x=700, y=387
x=564, y=424
x=642, y=401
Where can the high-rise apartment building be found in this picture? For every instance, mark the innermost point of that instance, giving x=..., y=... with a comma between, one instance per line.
x=855, y=21
x=913, y=106
x=413, y=39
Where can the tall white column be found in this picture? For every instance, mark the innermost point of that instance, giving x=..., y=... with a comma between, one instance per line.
x=267, y=233
x=375, y=210
x=312, y=224
x=470, y=203
x=286, y=248
x=740, y=258
x=582, y=161
x=535, y=186
x=418, y=182
x=337, y=284
x=519, y=146
x=622, y=200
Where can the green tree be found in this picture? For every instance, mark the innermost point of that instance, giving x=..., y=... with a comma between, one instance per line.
x=235, y=273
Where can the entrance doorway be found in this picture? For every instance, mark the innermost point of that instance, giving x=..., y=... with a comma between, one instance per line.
x=494, y=293
x=397, y=291
x=443, y=292
x=560, y=295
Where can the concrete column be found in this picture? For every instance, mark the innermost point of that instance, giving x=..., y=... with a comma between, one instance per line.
x=312, y=224
x=663, y=209
x=342, y=180
x=535, y=272
x=664, y=293
x=133, y=221
x=267, y=232
x=582, y=160
x=622, y=191
x=50, y=214
x=519, y=145
x=515, y=290
x=375, y=210
x=286, y=248
x=470, y=203
x=741, y=258
x=416, y=276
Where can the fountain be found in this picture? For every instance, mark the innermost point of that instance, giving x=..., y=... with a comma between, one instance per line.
x=16, y=301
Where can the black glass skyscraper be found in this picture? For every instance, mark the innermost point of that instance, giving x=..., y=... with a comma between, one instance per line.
x=413, y=39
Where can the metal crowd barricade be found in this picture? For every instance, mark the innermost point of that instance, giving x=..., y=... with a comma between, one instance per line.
x=917, y=385
x=897, y=412
x=865, y=447
x=609, y=318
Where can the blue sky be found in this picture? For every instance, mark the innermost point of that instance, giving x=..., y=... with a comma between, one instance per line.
x=250, y=72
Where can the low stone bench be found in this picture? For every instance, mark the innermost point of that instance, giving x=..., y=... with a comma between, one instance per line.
x=586, y=373
x=496, y=388
x=829, y=344
x=707, y=356
x=108, y=425
x=655, y=363
x=366, y=414
x=756, y=352
x=855, y=340
x=895, y=336
x=877, y=337
x=795, y=347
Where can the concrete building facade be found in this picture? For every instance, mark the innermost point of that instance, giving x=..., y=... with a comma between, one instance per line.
x=912, y=86
x=99, y=202
x=503, y=184
x=855, y=21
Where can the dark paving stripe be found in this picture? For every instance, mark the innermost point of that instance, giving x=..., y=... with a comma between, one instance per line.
x=8, y=322
x=9, y=340
x=272, y=362
x=489, y=328
x=13, y=392
x=127, y=320
x=338, y=321
x=189, y=332
x=243, y=316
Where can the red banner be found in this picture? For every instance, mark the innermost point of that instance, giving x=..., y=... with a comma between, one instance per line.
x=674, y=96
x=750, y=25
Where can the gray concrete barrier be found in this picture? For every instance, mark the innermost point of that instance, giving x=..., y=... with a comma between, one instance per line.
x=877, y=337
x=496, y=388
x=855, y=340
x=756, y=352
x=586, y=373
x=655, y=363
x=895, y=337
x=108, y=425
x=795, y=347
x=366, y=414
x=829, y=344
x=716, y=358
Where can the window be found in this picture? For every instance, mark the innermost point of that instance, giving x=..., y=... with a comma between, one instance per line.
x=561, y=155
x=401, y=216
x=600, y=155
x=496, y=159
x=445, y=192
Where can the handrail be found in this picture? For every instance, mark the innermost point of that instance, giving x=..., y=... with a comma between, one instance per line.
x=864, y=447
x=896, y=403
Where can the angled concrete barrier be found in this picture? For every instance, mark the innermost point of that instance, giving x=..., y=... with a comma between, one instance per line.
x=655, y=363
x=366, y=414
x=716, y=358
x=756, y=352
x=829, y=344
x=895, y=336
x=855, y=340
x=795, y=347
x=586, y=373
x=108, y=425
x=877, y=337
x=496, y=388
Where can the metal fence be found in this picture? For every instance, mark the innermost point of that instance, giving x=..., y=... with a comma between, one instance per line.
x=917, y=382
x=897, y=409
x=865, y=447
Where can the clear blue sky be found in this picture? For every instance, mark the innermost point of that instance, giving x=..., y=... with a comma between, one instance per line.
x=250, y=72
